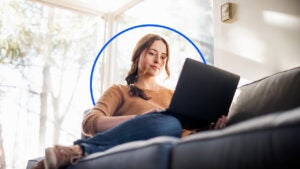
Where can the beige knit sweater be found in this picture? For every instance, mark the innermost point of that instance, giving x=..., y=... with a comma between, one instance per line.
x=116, y=101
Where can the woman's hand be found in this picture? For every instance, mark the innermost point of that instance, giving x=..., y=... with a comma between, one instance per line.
x=153, y=110
x=221, y=123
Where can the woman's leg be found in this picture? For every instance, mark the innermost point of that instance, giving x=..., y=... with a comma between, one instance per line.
x=141, y=127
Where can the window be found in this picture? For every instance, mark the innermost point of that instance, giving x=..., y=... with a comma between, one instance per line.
x=47, y=52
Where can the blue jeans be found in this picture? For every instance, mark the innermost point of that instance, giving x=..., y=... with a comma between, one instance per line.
x=141, y=127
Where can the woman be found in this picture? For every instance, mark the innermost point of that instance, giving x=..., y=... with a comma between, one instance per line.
x=127, y=112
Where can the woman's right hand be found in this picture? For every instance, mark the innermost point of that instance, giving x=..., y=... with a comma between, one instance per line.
x=153, y=110
x=221, y=123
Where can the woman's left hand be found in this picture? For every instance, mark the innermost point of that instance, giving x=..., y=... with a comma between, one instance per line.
x=221, y=123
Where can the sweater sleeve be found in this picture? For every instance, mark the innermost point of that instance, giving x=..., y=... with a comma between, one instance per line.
x=105, y=106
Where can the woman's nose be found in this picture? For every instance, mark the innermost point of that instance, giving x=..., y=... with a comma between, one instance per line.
x=156, y=59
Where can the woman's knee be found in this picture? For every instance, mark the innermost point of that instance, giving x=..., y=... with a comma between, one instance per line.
x=163, y=124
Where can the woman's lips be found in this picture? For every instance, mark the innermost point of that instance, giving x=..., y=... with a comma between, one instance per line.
x=154, y=67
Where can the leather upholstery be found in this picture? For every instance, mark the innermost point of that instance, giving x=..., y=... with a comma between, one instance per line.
x=267, y=142
x=150, y=154
x=277, y=92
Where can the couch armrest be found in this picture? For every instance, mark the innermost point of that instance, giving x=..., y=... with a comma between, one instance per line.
x=148, y=154
x=32, y=162
x=274, y=93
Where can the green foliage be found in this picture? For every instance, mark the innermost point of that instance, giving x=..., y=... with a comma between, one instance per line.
x=29, y=29
x=10, y=51
x=15, y=33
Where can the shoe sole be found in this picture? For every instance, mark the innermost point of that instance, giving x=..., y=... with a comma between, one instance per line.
x=50, y=160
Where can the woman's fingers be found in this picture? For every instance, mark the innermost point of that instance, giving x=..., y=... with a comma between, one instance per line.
x=154, y=110
x=224, y=122
x=221, y=123
x=150, y=111
x=217, y=123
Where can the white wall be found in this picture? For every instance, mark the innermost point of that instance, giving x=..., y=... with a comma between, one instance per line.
x=262, y=38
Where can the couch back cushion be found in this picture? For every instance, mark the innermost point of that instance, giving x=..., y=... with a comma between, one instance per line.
x=274, y=93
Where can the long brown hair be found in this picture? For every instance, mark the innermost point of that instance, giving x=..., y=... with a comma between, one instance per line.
x=144, y=43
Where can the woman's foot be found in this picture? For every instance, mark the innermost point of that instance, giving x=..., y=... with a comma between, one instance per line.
x=60, y=156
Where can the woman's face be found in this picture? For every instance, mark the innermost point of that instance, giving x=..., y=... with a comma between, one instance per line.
x=153, y=60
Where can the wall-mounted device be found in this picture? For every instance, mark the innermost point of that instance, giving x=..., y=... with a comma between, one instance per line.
x=226, y=11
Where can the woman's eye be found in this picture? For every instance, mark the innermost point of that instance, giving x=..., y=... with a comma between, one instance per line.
x=151, y=53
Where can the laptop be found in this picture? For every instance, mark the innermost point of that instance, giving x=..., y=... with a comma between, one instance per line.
x=203, y=94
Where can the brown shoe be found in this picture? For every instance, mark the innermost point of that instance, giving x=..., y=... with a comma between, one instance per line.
x=60, y=156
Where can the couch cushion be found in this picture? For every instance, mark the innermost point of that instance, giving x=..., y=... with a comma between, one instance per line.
x=271, y=141
x=150, y=154
x=277, y=92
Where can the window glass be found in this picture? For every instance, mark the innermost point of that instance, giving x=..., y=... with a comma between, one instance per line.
x=46, y=55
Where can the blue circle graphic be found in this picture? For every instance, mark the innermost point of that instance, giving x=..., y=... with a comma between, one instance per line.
x=128, y=29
